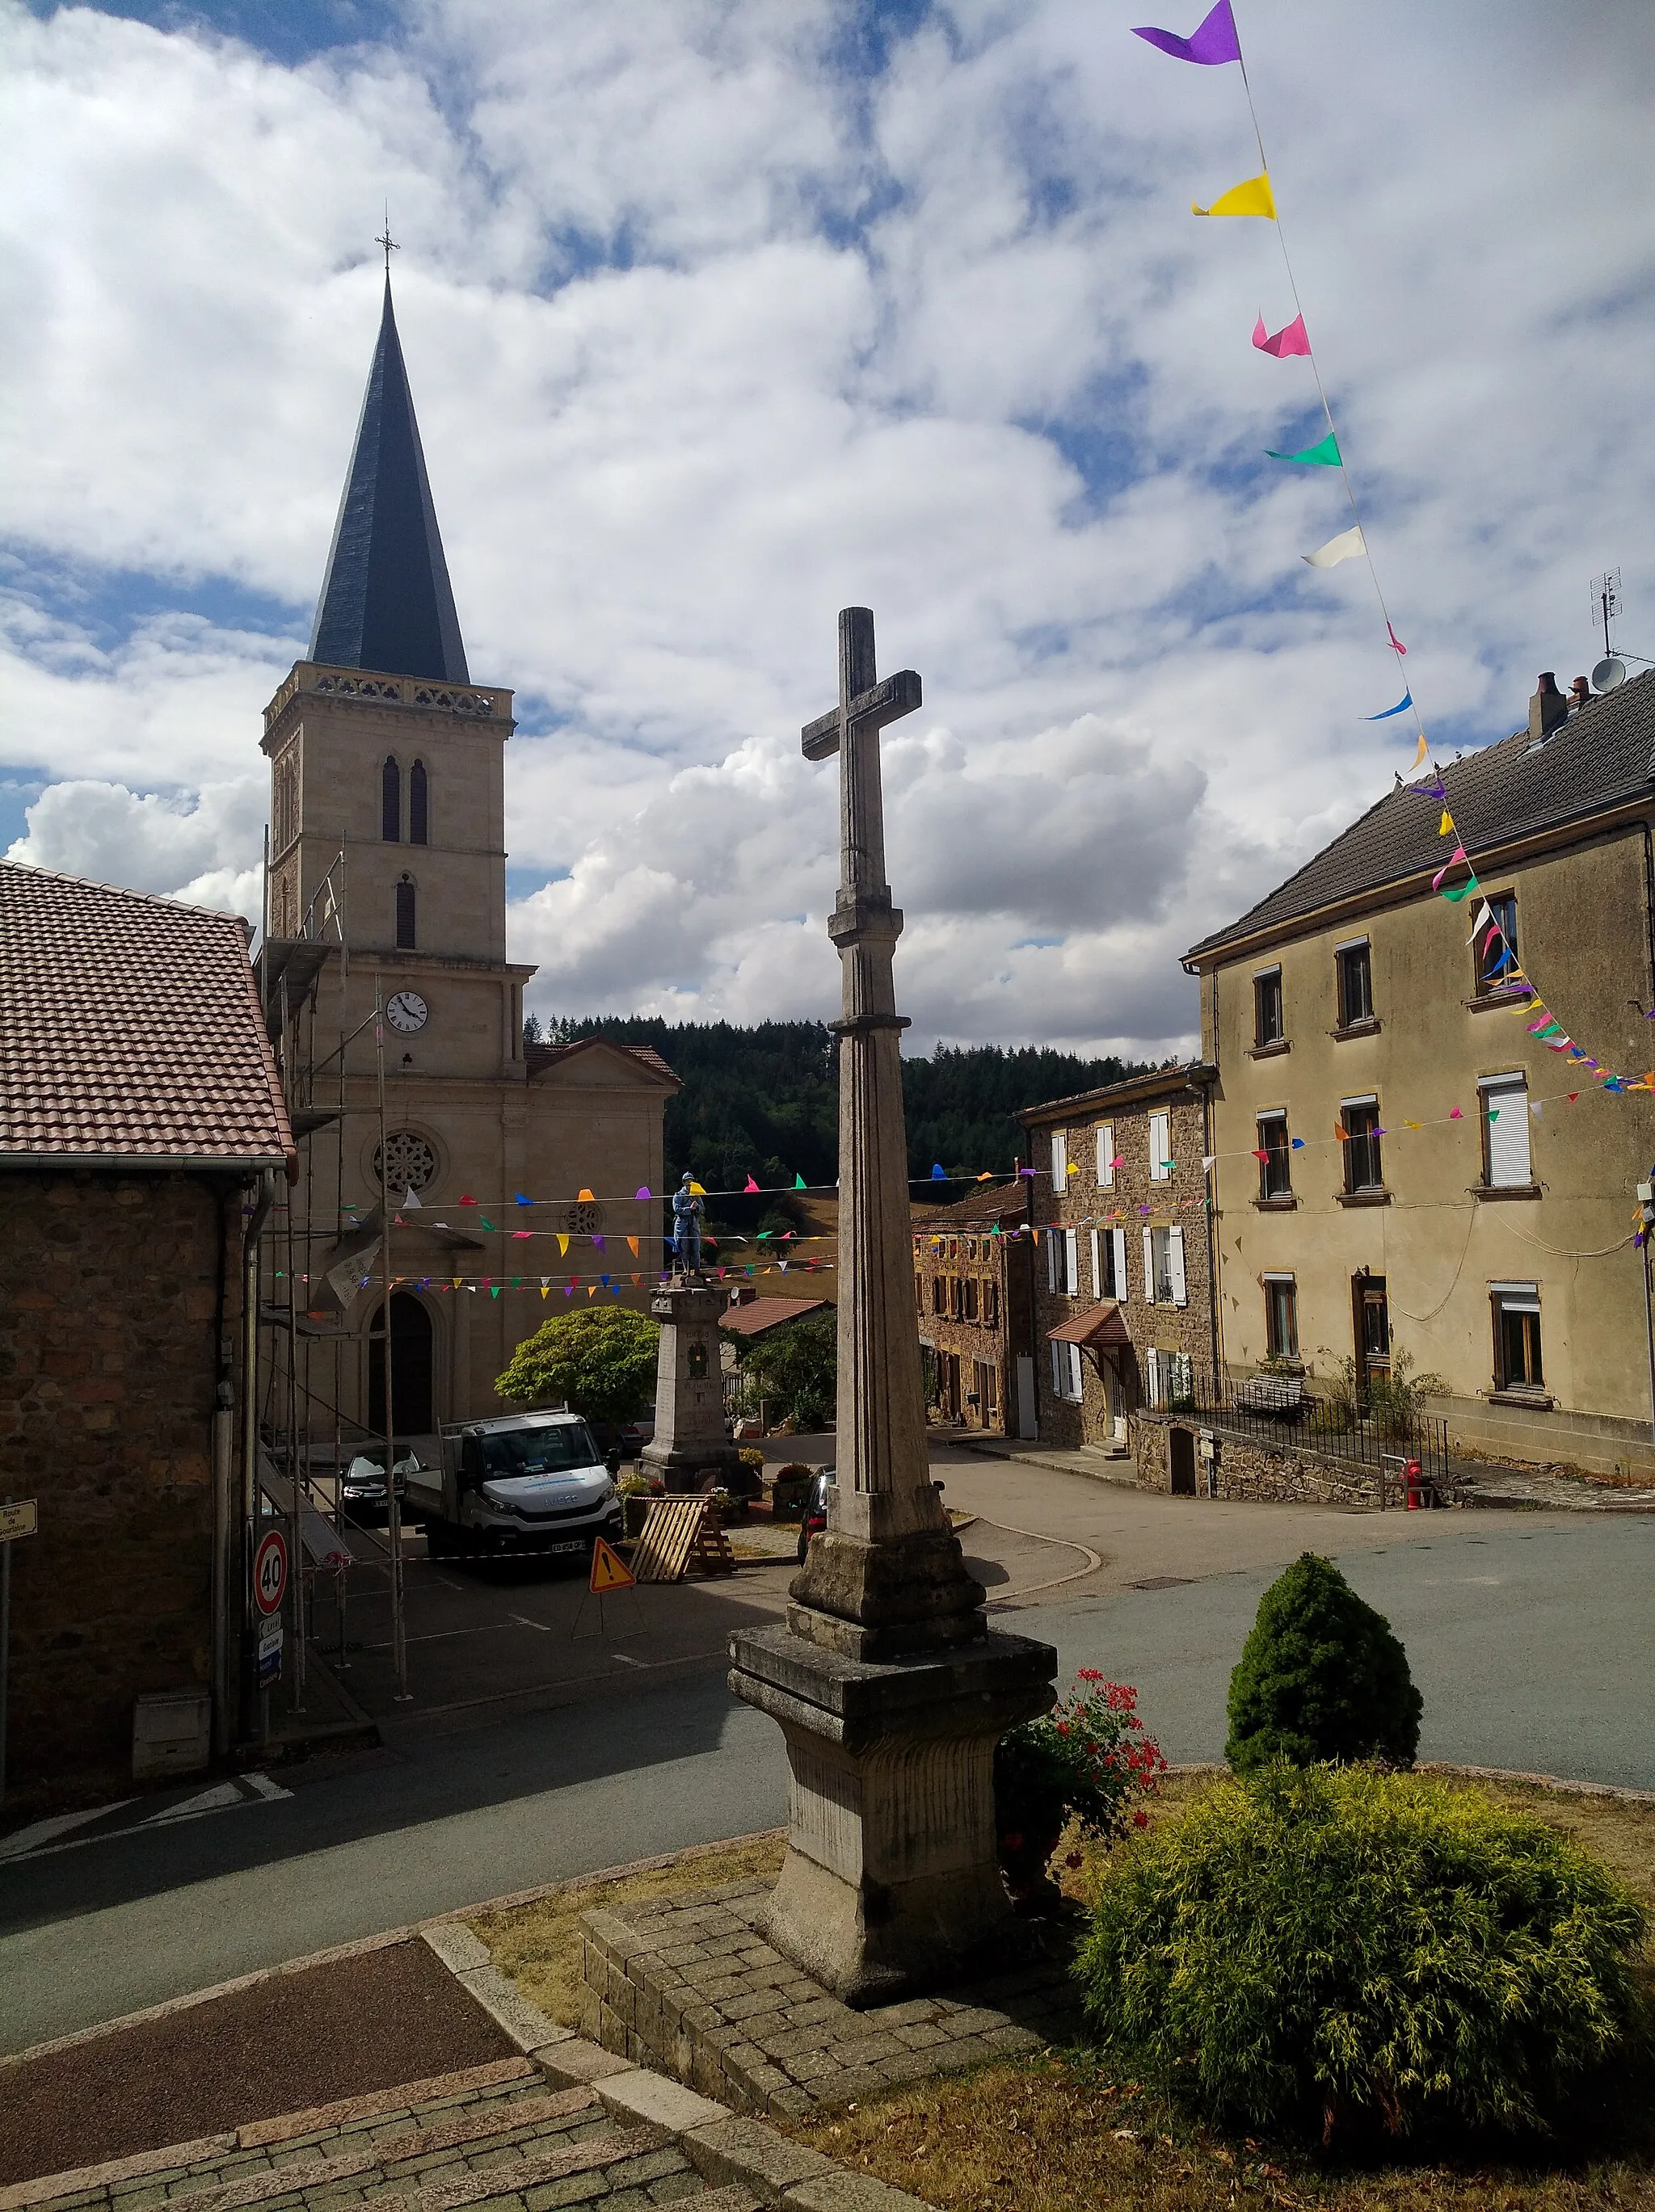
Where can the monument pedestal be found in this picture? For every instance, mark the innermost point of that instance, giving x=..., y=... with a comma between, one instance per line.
x=891, y=1880
x=690, y=1443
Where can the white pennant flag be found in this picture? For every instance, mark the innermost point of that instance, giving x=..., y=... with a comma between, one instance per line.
x=1345, y=547
x=1207, y=1160
x=410, y=1201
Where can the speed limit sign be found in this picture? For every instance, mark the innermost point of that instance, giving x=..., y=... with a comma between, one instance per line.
x=269, y=1572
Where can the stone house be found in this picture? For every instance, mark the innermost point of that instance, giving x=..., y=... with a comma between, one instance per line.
x=399, y=1015
x=1403, y=1166
x=972, y=1292
x=1123, y=1296
x=141, y=1136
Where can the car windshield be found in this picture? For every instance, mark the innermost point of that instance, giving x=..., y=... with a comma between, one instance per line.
x=549, y=1450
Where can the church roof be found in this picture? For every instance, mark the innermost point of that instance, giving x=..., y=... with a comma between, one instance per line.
x=385, y=600
x=538, y=1057
x=130, y=1031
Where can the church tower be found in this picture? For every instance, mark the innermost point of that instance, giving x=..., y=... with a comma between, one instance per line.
x=386, y=890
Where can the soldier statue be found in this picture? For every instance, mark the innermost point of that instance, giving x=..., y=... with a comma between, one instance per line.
x=687, y=1209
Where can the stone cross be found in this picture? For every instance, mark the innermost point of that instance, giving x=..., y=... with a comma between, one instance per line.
x=883, y=1486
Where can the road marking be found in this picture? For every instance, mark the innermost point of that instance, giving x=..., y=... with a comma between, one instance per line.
x=625, y=1659
x=220, y=1797
x=523, y=1621
x=29, y=1843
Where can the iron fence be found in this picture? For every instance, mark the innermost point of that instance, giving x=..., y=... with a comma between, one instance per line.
x=1283, y=1413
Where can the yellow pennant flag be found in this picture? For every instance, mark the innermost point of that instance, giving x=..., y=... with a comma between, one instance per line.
x=1424, y=748
x=562, y=1244
x=456, y=1282
x=633, y=1242
x=1407, y=1124
x=545, y=1290
x=592, y=1290
x=1445, y=827
x=696, y=1190
x=1254, y=197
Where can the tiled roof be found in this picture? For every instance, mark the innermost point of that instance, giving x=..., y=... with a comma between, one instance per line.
x=1599, y=759
x=992, y=1203
x=130, y=1028
x=757, y=1314
x=538, y=1057
x=1134, y=1090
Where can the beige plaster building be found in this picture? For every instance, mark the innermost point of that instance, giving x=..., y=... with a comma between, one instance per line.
x=1121, y=1273
x=511, y=1170
x=1400, y=1169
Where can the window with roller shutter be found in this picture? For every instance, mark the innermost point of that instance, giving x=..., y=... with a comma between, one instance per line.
x=1505, y=1162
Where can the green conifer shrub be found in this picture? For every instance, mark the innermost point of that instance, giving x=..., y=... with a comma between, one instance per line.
x=1321, y=1676
x=1346, y=1952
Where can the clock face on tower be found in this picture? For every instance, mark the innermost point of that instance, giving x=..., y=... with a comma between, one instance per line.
x=407, y=1012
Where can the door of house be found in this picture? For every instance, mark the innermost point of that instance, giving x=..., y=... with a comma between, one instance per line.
x=1372, y=1328
x=1181, y=1445
x=411, y=1368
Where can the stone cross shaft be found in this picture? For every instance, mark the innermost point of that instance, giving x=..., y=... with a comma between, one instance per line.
x=883, y=1487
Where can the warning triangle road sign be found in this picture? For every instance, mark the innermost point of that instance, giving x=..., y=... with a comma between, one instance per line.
x=608, y=1569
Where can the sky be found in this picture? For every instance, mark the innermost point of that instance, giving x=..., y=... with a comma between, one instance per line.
x=722, y=314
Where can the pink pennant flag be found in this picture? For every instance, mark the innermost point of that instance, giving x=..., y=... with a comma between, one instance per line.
x=1396, y=645
x=749, y=1185
x=1292, y=338
x=1458, y=853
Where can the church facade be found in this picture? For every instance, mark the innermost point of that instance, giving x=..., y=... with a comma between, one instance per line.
x=486, y=1182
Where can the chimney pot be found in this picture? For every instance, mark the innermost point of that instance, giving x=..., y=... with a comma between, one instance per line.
x=1580, y=691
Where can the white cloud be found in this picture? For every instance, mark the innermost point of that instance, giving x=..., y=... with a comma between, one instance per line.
x=713, y=330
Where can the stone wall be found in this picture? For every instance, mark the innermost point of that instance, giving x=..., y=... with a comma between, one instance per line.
x=107, y=1379
x=1244, y=1470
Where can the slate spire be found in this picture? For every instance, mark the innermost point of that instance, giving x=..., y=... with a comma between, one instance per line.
x=386, y=600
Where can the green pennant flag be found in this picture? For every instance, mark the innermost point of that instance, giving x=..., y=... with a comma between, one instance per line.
x=1454, y=897
x=1325, y=455
x=798, y=1182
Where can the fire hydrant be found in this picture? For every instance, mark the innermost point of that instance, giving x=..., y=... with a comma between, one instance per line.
x=1413, y=1483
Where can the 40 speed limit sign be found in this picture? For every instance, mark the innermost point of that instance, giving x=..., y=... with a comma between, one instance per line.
x=270, y=1572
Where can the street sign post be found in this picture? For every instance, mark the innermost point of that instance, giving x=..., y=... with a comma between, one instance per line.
x=19, y=1517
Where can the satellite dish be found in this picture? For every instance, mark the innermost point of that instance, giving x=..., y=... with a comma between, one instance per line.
x=1610, y=674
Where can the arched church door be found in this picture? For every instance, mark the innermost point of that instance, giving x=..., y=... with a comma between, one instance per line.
x=411, y=1368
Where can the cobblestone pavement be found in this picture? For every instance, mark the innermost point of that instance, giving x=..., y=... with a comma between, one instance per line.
x=688, y=1984
x=493, y=2136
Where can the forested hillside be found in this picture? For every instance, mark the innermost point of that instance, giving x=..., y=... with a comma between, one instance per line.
x=764, y=1101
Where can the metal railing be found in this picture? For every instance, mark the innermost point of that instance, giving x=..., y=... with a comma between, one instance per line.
x=1283, y=1413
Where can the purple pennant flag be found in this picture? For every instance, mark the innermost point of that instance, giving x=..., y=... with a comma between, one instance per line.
x=1215, y=41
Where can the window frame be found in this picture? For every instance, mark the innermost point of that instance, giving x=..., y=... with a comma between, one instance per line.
x=1368, y=1140
x=1346, y=957
x=1519, y=1302
x=1512, y=1085
x=1267, y=992
x=1060, y=1161
x=1272, y=1121
x=1105, y=1136
x=1160, y=1170
x=390, y=800
x=1502, y=908
x=1280, y=1298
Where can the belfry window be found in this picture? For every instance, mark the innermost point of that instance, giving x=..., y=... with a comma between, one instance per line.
x=390, y=803
x=406, y=939
x=417, y=804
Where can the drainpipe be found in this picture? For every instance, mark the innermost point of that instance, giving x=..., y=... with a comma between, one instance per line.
x=1034, y=1316
x=241, y=1564
x=224, y=1520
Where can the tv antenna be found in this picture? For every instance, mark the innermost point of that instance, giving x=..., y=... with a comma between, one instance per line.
x=1611, y=672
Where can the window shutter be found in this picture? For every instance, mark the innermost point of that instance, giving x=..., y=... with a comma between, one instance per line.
x=1052, y=1236
x=1174, y=1255
x=1153, y=1372
x=1077, y=1386
x=1508, y=1104
x=1160, y=1146
x=1105, y=1155
x=1060, y=1161
x=1149, y=1266
x=1057, y=1370
x=1071, y=1261
x=1098, y=1290
x=1117, y=1237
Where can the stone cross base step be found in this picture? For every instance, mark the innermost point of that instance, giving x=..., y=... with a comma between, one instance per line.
x=688, y=1984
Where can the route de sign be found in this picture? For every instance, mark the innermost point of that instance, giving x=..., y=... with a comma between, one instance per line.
x=269, y=1572
x=20, y=1518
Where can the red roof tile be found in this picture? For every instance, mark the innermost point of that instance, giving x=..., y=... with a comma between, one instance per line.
x=130, y=1028
x=538, y=1057
x=757, y=1314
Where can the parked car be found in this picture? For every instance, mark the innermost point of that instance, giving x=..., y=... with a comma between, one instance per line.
x=814, y=1517
x=635, y=1435
x=361, y=1486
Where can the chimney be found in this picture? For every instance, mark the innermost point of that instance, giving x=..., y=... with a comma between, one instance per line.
x=1579, y=692
x=1548, y=708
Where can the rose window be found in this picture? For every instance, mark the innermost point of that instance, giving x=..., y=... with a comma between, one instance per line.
x=410, y=1161
x=584, y=1219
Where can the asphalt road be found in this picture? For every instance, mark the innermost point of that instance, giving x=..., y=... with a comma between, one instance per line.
x=1529, y=1635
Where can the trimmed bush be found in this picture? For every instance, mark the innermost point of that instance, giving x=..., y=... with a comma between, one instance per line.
x=1334, y=1949
x=1321, y=1676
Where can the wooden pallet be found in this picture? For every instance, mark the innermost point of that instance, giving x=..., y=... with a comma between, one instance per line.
x=679, y=1531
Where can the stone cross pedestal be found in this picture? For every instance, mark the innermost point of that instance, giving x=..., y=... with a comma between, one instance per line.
x=890, y=1691
x=689, y=1443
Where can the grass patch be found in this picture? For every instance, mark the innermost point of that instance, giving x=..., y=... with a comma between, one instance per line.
x=538, y=1945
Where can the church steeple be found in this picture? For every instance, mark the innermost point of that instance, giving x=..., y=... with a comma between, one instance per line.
x=386, y=601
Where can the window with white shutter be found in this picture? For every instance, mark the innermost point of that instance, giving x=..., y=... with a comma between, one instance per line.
x=1060, y=1161
x=1072, y=1261
x=1077, y=1373
x=1098, y=1250
x=1149, y=1266
x=1153, y=1374
x=1175, y=1264
x=1105, y=1155
x=1505, y=1162
x=1160, y=1147
x=1117, y=1280
x=1053, y=1246
x=1058, y=1372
